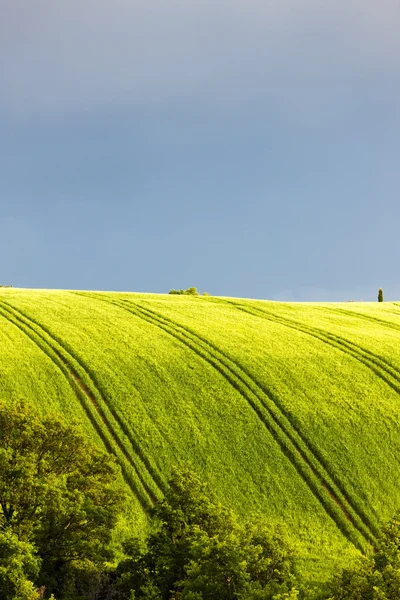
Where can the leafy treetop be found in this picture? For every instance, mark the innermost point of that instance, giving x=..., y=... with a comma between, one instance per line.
x=200, y=551
x=192, y=291
x=58, y=496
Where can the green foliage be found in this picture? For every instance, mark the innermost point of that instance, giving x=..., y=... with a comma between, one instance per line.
x=199, y=550
x=58, y=498
x=380, y=295
x=377, y=577
x=192, y=291
x=19, y=564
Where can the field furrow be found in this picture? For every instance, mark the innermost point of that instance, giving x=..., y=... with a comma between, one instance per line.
x=357, y=315
x=306, y=464
x=378, y=365
x=339, y=494
x=386, y=371
x=95, y=407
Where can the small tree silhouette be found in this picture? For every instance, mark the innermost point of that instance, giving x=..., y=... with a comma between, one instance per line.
x=380, y=295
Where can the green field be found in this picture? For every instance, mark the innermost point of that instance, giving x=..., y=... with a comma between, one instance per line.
x=289, y=411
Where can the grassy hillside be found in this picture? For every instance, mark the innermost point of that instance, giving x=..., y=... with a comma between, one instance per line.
x=290, y=411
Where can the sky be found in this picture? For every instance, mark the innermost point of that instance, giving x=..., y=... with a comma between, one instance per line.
x=250, y=148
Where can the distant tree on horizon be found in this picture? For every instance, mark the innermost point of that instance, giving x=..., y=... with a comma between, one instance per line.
x=380, y=295
x=192, y=291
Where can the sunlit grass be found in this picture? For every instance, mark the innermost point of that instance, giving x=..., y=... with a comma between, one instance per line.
x=290, y=411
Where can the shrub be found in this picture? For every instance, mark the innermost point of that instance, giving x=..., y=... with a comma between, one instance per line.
x=192, y=291
x=59, y=498
x=200, y=550
x=377, y=577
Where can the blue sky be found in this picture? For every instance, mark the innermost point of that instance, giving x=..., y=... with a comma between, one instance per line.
x=250, y=148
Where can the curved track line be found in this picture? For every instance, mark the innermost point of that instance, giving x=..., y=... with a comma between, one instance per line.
x=82, y=399
x=340, y=495
x=87, y=374
x=382, y=362
x=379, y=366
x=141, y=456
x=295, y=449
x=343, y=311
x=94, y=396
x=372, y=361
x=346, y=506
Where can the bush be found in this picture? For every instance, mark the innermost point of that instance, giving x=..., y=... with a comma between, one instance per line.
x=192, y=291
x=377, y=577
x=199, y=550
x=18, y=566
x=59, y=498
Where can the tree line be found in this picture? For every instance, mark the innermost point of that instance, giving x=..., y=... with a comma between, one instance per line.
x=60, y=502
x=191, y=291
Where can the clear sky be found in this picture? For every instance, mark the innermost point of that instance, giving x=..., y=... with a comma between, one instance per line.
x=247, y=147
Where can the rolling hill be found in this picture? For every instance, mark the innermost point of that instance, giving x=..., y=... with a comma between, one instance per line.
x=289, y=411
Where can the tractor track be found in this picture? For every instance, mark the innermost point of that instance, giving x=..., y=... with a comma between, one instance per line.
x=381, y=367
x=348, y=518
x=85, y=391
x=387, y=372
x=357, y=315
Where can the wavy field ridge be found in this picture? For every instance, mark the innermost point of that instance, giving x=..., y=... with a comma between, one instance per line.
x=101, y=417
x=268, y=409
x=289, y=411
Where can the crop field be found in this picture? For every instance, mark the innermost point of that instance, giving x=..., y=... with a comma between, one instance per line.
x=291, y=412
